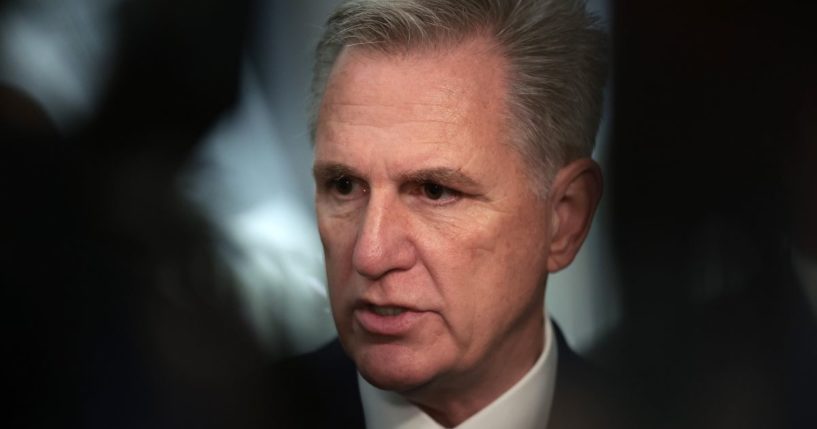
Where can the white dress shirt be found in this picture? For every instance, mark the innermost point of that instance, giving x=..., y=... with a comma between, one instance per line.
x=526, y=405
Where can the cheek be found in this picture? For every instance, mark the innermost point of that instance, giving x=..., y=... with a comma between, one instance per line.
x=462, y=262
x=338, y=239
x=337, y=244
x=488, y=272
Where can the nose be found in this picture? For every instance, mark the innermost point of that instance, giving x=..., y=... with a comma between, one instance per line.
x=383, y=241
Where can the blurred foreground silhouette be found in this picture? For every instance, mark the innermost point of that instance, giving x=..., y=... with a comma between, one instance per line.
x=121, y=309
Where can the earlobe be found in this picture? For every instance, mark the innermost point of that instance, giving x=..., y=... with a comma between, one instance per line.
x=575, y=194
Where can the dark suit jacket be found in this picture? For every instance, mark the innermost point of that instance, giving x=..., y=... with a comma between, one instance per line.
x=319, y=390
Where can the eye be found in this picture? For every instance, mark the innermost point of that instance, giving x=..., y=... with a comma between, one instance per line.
x=433, y=191
x=345, y=187
x=438, y=193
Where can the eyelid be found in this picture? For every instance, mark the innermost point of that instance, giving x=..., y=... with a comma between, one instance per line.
x=332, y=180
x=329, y=181
x=454, y=195
x=359, y=186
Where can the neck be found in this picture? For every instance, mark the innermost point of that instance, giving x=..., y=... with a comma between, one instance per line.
x=451, y=402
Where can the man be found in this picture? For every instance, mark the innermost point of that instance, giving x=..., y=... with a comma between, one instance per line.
x=453, y=174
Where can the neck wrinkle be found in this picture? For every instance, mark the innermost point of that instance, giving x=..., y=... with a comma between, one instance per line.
x=491, y=385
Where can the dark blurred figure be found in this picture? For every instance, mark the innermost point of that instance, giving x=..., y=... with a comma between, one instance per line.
x=800, y=329
x=37, y=349
x=713, y=189
x=120, y=314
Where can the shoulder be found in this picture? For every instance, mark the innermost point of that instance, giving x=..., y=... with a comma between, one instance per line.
x=586, y=397
x=319, y=389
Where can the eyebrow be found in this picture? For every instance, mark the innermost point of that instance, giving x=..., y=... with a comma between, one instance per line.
x=440, y=175
x=332, y=170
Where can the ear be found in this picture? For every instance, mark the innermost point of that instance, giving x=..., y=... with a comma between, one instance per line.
x=574, y=195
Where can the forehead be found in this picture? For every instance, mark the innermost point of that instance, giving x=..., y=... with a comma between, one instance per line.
x=425, y=95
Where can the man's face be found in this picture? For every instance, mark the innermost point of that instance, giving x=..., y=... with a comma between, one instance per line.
x=435, y=242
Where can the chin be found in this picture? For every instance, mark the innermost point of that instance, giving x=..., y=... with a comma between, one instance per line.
x=394, y=367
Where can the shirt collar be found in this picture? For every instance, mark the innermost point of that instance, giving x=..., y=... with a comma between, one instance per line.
x=525, y=405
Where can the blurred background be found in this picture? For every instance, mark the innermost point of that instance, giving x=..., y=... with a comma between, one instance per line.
x=161, y=252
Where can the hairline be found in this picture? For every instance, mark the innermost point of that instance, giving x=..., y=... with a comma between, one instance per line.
x=512, y=123
x=555, y=52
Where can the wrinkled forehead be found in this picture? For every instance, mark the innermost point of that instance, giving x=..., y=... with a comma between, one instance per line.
x=435, y=82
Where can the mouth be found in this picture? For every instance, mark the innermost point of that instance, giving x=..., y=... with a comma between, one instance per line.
x=387, y=320
x=386, y=310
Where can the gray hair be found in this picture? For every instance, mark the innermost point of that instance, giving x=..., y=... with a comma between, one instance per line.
x=554, y=48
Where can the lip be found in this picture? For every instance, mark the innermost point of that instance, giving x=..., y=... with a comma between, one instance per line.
x=393, y=326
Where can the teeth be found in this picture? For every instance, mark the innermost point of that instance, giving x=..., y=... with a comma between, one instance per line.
x=387, y=311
